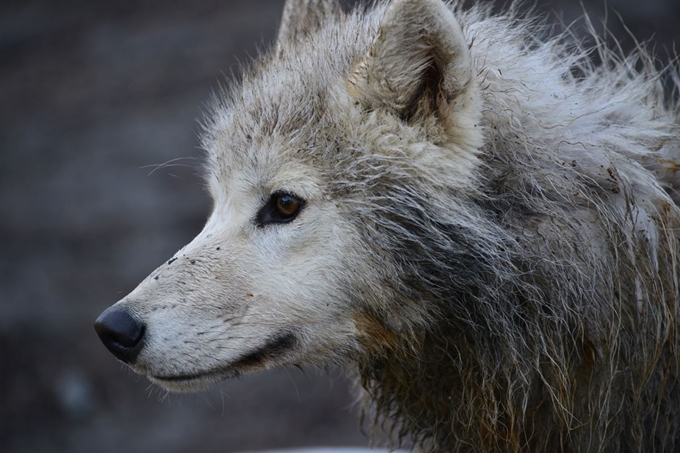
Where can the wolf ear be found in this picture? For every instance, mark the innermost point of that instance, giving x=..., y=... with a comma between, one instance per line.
x=418, y=65
x=301, y=17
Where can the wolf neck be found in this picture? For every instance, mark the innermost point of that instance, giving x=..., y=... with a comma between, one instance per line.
x=408, y=385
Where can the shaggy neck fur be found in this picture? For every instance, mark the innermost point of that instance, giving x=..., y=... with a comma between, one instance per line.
x=548, y=299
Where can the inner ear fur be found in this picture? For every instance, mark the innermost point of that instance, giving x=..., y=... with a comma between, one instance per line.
x=302, y=17
x=418, y=65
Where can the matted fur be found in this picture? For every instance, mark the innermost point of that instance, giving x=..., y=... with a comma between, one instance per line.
x=498, y=262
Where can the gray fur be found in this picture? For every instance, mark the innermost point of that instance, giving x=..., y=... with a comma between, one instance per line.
x=302, y=18
x=492, y=253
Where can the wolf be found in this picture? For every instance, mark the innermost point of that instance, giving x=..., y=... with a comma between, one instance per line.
x=471, y=217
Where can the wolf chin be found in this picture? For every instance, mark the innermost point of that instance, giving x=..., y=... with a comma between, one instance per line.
x=477, y=222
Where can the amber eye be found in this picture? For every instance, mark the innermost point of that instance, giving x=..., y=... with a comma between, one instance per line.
x=282, y=207
x=287, y=205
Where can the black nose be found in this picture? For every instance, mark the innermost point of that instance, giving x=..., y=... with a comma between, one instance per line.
x=121, y=333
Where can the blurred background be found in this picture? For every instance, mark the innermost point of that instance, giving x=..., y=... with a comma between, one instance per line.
x=99, y=185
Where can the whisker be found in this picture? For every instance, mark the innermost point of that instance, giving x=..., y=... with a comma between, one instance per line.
x=169, y=163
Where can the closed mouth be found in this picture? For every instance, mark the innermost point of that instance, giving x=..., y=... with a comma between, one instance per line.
x=273, y=349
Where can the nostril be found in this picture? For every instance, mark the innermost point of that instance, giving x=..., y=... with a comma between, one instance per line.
x=121, y=333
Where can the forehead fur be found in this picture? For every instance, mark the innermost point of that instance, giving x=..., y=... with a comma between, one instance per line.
x=285, y=94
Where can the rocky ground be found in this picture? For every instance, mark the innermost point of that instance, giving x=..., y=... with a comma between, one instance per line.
x=94, y=97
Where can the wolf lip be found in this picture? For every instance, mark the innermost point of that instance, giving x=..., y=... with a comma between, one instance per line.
x=221, y=372
x=272, y=349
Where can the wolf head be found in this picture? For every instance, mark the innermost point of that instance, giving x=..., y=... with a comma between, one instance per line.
x=324, y=165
